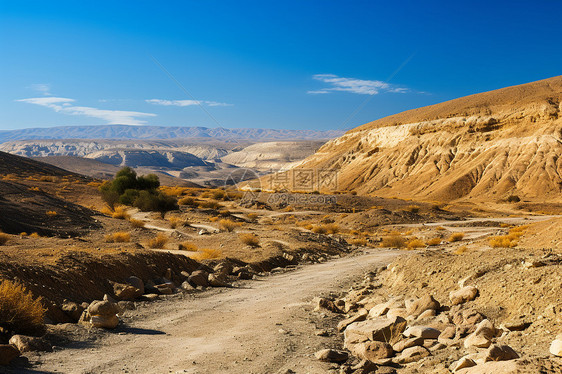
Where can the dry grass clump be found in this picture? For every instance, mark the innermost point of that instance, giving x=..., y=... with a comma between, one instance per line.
x=158, y=242
x=34, y=235
x=173, y=191
x=440, y=228
x=252, y=217
x=461, y=250
x=413, y=209
x=358, y=241
x=508, y=241
x=249, y=239
x=434, y=241
x=207, y=254
x=4, y=238
x=189, y=201
x=224, y=213
x=211, y=204
x=136, y=223
x=177, y=221
x=118, y=237
x=20, y=312
x=415, y=243
x=228, y=225
x=393, y=241
x=51, y=213
x=328, y=228
x=307, y=224
x=187, y=246
x=289, y=208
x=456, y=237
x=214, y=219
x=120, y=212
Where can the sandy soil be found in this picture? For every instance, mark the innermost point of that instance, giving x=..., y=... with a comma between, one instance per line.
x=262, y=326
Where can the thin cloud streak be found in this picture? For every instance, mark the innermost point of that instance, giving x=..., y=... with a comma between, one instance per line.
x=185, y=102
x=353, y=85
x=113, y=117
x=42, y=88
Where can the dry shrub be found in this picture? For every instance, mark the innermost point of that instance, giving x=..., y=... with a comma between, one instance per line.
x=136, y=223
x=393, y=241
x=508, y=241
x=250, y=239
x=207, y=254
x=224, y=213
x=228, y=225
x=172, y=191
x=415, y=243
x=413, y=208
x=36, y=189
x=211, y=204
x=158, y=242
x=34, y=235
x=189, y=201
x=51, y=213
x=289, y=208
x=187, y=246
x=20, y=312
x=434, y=241
x=214, y=219
x=319, y=229
x=252, y=217
x=23, y=233
x=354, y=232
x=120, y=212
x=504, y=225
x=409, y=232
x=456, y=237
x=218, y=194
x=234, y=195
x=440, y=228
x=118, y=237
x=48, y=178
x=358, y=242
x=94, y=184
x=328, y=228
x=177, y=221
x=461, y=250
x=4, y=238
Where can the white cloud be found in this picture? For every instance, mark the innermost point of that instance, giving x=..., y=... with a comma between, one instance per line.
x=43, y=88
x=185, y=102
x=113, y=117
x=353, y=85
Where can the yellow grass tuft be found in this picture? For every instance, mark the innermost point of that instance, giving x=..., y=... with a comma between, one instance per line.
x=51, y=213
x=508, y=241
x=207, y=254
x=118, y=237
x=456, y=237
x=4, y=238
x=158, y=242
x=359, y=242
x=440, y=228
x=187, y=246
x=120, y=212
x=328, y=228
x=250, y=239
x=393, y=241
x=189, y=201
x=434, y=241
x=228, y=225
x=413, y=208
x=34, y=235
x=214, y=219
x=136, y=223
x=415, y=243
x=211, y=204
x=461, y=250
x=177, y=221
x=224, y=213
x=252, y=217
x=20, y=312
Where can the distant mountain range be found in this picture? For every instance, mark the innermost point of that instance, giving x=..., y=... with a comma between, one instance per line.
x=162, y=132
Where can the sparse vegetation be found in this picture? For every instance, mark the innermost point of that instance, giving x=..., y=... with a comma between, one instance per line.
x=228, y=225
x=328, y=228
x=359, y=242
x=158, y=242
x=20, y=312
x=456, y=237
x=413, y=209
x=51, y=213
x=250, y=239
x=508, y=241
x=214, y=219
x=187, y=246
x=120, y=212
x=34, y=235
x=177, y=221
x=118, y=237
x=189, y=201
x=210, y=204
x=461, y=250
x=252, y=217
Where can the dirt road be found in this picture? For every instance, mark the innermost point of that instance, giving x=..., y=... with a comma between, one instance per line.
x=263, y=327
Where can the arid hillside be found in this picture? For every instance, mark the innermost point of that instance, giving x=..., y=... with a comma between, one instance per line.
x=489, y=145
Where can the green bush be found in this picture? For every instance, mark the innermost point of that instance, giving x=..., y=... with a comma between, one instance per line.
x=129, y=189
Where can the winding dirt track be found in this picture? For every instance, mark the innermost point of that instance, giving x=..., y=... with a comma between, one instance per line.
x=263, y=327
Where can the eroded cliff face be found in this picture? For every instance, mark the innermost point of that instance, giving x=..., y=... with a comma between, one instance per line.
x=490, y=145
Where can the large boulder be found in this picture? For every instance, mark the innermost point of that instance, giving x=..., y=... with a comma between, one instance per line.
x=380, y=329
x=30, y=343
x=463, y=295
x=72, y=310
x=422, y=332
x=7, y=353
x=412, y=354
x=407, y=343
x=199, y=278
x=126, y=291
x=136, y=282
x=500, y=353
x=482, y=336
x=102, y=313
x=422, y=304
x=361, y=315
x=372, y=350
x=331, y=355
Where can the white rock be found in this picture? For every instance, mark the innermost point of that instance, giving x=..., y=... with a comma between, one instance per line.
x=556, y=346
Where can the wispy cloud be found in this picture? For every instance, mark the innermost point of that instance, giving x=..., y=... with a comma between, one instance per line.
x=113, y=117
x=42, y=88
x=353, y=85
x=185, y=102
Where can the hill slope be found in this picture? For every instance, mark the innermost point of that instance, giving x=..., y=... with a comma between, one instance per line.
x=488, y=145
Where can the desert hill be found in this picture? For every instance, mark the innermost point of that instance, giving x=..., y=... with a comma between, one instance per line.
x=489, y=145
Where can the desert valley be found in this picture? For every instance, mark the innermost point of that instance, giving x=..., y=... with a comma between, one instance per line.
x=427, y=241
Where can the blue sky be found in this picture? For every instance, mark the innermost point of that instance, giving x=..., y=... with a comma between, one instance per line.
x=289, y=64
